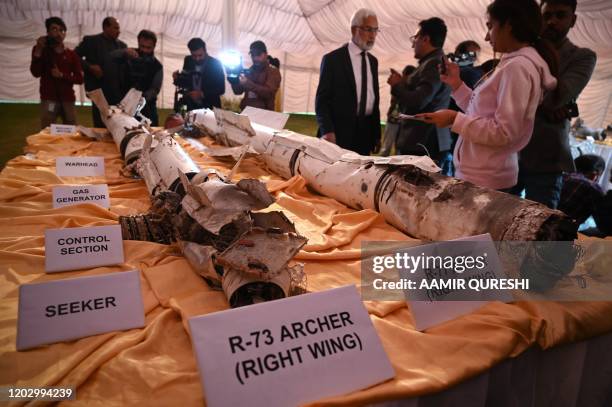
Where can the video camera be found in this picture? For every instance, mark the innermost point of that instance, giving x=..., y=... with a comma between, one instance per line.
x=51, y=42
x=139, y=69
x=184, y=80
x=464, y=59
x=184, y=83
x=232, y=62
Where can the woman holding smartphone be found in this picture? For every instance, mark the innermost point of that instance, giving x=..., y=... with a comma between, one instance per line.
x=500, y=111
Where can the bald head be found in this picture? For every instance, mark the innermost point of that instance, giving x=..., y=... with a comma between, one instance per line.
x=110, y=28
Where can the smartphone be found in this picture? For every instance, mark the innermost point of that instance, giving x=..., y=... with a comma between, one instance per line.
x=443, y=66
x=403, y=116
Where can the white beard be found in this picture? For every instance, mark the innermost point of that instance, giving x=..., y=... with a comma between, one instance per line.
x=362, y=44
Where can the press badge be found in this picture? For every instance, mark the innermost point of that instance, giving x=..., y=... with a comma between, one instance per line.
x=52, y=106
x=251, y=95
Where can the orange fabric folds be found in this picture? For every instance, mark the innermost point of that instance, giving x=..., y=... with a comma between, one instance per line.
x=156, y=365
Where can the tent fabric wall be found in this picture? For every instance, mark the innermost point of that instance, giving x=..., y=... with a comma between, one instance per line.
x=298, y=32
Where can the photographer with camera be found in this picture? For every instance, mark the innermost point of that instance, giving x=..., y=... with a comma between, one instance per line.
x=139, y=69
x=548, y=155
x=260, y=82
x=58, y=68
x=201, y=82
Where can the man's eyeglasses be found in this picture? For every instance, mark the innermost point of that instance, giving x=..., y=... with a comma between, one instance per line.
x=413, y=38
x=370, y=30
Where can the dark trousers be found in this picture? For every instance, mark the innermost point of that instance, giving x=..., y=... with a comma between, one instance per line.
x=544, y=188
x=365, y=137
x=95, y=115
x=150, y=112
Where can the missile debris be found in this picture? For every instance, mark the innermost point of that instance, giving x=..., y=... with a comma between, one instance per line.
x=406, y=190
x=212, y=219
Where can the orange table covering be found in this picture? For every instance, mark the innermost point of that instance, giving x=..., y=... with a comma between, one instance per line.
x=156, y=365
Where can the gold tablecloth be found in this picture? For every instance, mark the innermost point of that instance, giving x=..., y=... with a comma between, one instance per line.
x=156, y=365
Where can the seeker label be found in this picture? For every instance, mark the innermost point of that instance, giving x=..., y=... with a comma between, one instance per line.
x=73, y=308
x=79, y=248
x=325, y=339
x=79, y=166
x=67, y=195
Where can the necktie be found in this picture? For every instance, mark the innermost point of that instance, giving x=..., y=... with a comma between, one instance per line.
x=364, y=85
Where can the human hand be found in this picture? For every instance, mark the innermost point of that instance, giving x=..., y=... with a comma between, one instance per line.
x=441, y=118
x=242, y=79
x=331, y=137
x=96, y=70
x=56, y=73
x=40, y=44
x=131, y=53
x=449, y=74
x=175, y=75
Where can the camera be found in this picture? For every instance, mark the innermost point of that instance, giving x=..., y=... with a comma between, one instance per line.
x=233, y=73
x=184, y=80
x=51, y=42
x=232, y=62
x=464, y=59
x=138, y=70
x=572, y=109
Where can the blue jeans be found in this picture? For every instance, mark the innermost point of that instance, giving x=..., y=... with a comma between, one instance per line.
x=445, y=162
x=544, y=188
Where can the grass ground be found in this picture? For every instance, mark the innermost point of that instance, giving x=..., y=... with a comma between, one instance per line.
x=19, y=120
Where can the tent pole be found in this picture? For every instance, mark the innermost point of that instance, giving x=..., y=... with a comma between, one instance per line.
x=228, y=39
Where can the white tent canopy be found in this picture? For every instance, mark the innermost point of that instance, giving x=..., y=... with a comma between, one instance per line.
x=298, y=32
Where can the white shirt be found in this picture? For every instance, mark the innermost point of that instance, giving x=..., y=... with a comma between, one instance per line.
x=355, y=54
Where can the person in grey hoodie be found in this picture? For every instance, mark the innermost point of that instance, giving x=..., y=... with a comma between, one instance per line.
x=500, y=111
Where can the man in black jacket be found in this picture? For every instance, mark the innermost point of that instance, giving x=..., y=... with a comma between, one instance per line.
x=139, y=69
x=98, y=68
x=424, y=92
x=206, y=78
x=347, y=96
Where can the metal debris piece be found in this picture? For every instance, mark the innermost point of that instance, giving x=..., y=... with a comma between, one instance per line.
x=263, y=253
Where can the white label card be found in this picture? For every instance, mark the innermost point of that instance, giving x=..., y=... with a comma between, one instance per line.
x=79, y=166
x=79, y=248
x=440, y=305
x=62, y=129
x=74, y=308
x=290, y=351
x=67, y=195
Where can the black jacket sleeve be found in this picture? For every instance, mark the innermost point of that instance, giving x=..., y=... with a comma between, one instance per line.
x=324, y=97
x=216, y=79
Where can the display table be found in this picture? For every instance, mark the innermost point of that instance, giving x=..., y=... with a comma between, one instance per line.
x=156, y=365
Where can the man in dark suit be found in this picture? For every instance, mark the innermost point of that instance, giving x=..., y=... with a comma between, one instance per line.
x=424, y=92
x=206, y=78
x=100, y=71
x=347, y=96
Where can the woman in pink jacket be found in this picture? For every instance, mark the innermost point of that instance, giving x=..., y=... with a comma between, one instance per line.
x=500, y=111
